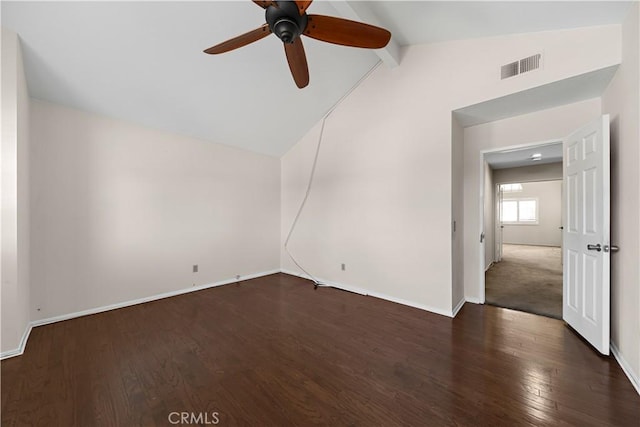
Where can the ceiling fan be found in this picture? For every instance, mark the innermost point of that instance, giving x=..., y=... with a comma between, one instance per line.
x=289, y=20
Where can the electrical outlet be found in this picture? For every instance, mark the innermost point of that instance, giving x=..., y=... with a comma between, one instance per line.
x=343, y=267
x=195, y=268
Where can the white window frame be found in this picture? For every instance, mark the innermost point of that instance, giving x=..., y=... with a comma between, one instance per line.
x=516, y=187
x=519, y=222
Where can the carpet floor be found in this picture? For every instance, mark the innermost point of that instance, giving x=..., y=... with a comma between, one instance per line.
x=529, y=278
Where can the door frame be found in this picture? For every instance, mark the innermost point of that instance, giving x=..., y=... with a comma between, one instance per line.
x=498, y=235
x=483, y=153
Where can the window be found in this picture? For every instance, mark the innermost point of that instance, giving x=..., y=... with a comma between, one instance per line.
x=510, y=211
x=519, y=211
x=511, y=188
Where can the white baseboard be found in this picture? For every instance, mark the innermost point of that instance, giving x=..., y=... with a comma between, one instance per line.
x=349, y=288
x=148, y=299
x=473, y=300
x=23, y=343
x=458, y=306
x=633, y=377
x=293, y=273
x=531, y=244
x=40, y=322
x=374, y=294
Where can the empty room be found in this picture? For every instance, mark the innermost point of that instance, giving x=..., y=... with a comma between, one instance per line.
x=276, y=213
x=523, y=216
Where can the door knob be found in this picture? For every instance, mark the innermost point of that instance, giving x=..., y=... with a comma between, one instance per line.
x=612, y=248
x=597, y=247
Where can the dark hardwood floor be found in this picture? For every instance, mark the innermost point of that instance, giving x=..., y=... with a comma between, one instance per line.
x=272, y=351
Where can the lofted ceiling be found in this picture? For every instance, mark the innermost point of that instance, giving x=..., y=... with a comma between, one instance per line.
x=416, y=22
x=143, y=61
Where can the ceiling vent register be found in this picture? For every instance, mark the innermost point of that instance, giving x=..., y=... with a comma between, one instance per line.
x=522, y=66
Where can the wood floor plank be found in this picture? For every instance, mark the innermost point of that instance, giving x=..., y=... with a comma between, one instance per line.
x=274, y=351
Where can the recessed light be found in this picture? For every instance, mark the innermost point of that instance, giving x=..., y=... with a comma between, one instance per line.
x=536, y=156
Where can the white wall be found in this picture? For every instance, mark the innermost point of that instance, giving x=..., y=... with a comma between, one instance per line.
x=621, y=101
x=546, y=125
x=382, y=200
x=14, y=267
x=547, y=230
x=122, y=212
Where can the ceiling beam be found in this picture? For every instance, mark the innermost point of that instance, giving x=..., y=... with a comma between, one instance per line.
x=359, y=11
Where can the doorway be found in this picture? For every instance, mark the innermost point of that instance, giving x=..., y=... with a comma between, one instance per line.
x=528, y=274
x=523, y=228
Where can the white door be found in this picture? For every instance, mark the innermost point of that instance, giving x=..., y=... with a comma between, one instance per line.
x=585, y=238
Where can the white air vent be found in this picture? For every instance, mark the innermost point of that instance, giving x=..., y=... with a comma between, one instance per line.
x=522, y=66
x=510, y=70
x=530, y=63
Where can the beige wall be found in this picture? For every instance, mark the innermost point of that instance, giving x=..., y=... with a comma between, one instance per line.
x=382, y=199
x=14, y=231
x=536, y=173
x=545, y=172
x=621, y=100
x=122, y=212
x=541, y=126
x=547, y=231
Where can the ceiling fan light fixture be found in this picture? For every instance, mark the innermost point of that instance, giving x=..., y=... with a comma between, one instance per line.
x=286, y=30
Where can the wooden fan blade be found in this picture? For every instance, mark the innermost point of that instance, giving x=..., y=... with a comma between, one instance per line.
x=265, y=3
x=240, y=41
x=303, y=5
x=346, y=33
x=297, y=62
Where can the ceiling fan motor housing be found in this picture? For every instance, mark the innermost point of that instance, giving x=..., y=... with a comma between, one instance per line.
x=285, y=21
